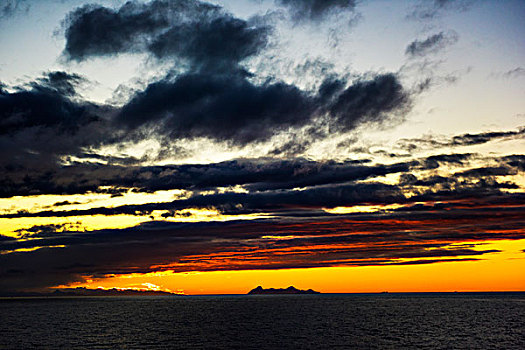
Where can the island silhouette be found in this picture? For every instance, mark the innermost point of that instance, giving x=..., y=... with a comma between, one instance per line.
x=289, y=290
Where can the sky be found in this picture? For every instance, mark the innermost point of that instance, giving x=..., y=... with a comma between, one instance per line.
x=211, y=147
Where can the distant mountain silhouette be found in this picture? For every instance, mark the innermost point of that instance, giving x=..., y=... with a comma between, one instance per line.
x=107, y=292
x=87, y=292
x=289, y=290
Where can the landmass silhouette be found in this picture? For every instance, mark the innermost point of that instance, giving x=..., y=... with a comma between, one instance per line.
x=108, y=292
x=88, y=292
x=289, y=290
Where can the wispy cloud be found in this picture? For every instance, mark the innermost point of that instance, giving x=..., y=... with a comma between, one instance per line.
x=431, y=9
x=432, y=44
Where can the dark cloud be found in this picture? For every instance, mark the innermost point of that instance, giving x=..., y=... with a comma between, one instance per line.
x=476, y=139
x=369, y=101
x=254, y=174
x=62, y=83
x=487, y=171
x=45, y=104
x=280, y=187
x=257, y=202
x=433, y=162
x=316, y=197
x=45, y=120
x=467, y=139
x=221, y=107
x=432, y=44
x=479, y=190
x=62, y=203
x=228, y=107
x=41, y=231
x=94, y=30
x=202, y=34
x=216, y=98
x=294, y=146
x=220, y=43
x=315, y=10
x=516, y=160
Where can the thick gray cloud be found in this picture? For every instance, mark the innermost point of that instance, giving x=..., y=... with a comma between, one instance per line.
x=218, y=44
x=255, y=174
x=202, y=34
x=228, y=107
x=272, y=185
x=369, y=101
x=45, y=120
x=46, y=103
x=94, y=30
x=216, y=98
x=257, y=202
x=222, y=107
x=433, y=162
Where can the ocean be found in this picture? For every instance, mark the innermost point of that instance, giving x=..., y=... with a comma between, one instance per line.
x=326, y=321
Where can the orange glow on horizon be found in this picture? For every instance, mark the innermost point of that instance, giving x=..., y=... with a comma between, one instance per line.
x=498, y=272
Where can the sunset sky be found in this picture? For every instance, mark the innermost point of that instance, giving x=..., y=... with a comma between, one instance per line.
x=211, y=147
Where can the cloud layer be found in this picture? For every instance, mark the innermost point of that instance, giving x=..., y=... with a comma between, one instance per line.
x=357, y=240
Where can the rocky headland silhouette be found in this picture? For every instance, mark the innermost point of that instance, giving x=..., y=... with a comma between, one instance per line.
x=289, y=290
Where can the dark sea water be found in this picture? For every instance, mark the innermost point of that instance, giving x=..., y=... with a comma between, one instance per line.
x=328, y=321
